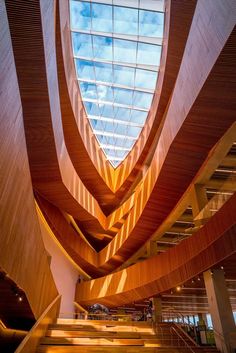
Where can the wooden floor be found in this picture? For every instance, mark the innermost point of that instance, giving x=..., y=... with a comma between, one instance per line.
x=94, y=336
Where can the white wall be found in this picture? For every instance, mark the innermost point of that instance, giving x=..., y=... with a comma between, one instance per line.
x=64, y=273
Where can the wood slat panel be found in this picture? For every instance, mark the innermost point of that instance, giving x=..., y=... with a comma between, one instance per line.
x=192, y=127
x=210, y=245
x=32, y=27
x=77, y=130
x=22, y=253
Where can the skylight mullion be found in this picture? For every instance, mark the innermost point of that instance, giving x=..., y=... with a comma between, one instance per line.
x=113, y=57
x=114, y=147
x=144, y=90
x=110, y=120
x=149, y=5
x=120, y=63
x=115, y=104
x=111, y=158
x=93, y=65
x=116, y=95
x=105, y=133
x=132, y=38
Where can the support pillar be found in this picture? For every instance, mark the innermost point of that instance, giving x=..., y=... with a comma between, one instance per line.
x=198, y=202
x=157, y=309
x=152, y=248
x=220, y=310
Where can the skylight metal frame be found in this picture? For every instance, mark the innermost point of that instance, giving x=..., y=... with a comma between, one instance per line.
x=116, y=91
x=116, y=85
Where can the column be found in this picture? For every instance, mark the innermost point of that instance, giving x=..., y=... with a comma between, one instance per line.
x=152, y=248
x=220, y=309
x=157, y=309
x=198, y=201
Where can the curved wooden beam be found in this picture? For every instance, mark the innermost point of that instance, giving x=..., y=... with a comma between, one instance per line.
x=210, y=245
x=81, y=138
x=151, y=204
x=59, y=183
x=53, y=174
x=81, y=253
x=192, y=127
x=163, y=173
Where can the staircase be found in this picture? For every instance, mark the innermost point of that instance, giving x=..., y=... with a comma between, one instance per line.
x=97, y=336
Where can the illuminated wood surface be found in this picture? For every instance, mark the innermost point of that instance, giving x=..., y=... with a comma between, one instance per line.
x=22, y=253
x=76, y=247
x=210, y=245
x=192, y=127
x=77, y=130
x=165, y=338
x=52, y=171
x=192, y=124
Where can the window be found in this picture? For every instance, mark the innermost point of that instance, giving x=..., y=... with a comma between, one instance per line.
x=117, y=51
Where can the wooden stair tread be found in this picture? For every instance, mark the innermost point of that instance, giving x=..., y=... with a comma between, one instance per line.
x=102, y=349
x=101, y=334
x=92, y=341
x=103, y=323
x=111, y=341
x=91, y=336
x=104, y=328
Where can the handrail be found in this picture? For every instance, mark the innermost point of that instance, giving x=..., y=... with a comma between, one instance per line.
x=177, y=315
x=156, y=324
x=182, y=339
x=31, y=340
x=81, y=308
x=84, y=315
x=185, y=333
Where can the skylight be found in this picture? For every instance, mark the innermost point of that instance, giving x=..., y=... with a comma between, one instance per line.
x=117, y=48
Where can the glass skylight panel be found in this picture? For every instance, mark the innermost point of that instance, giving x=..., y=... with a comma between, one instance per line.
x=148, y=54
x=102, y=47
x=125, y=20
x=85, y=69
x=151, y=23
x=103, y=72
x=117, y=54
x=127, y=97
x=116, y=113
x=80, y=15
x=82, y=45
x=115, y=153
x=101, y=17
x=115, y=74
x=145, y=79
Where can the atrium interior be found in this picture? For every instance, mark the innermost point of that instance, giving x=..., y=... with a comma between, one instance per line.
x=118, y=176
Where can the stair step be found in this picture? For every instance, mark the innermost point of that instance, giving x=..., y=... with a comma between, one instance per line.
x=93, y=336
x=115, y=349
x=100, y=334
x=91, y=341
x=91, y=328
x=104, y=323
x=110, y=342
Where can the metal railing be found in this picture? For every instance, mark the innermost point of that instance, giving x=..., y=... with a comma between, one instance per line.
x=82, y=315
x=174, y=339
x=182, y=340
